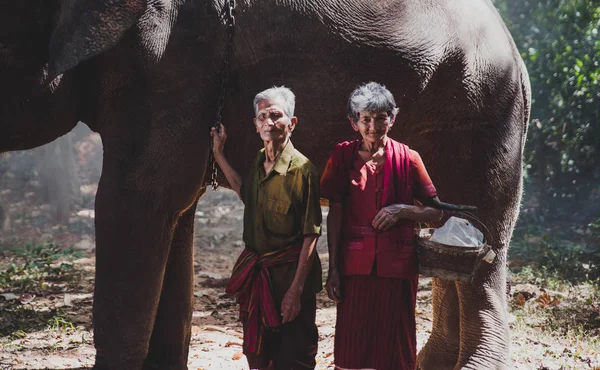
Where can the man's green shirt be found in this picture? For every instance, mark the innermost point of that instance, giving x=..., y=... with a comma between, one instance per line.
x=281, y=208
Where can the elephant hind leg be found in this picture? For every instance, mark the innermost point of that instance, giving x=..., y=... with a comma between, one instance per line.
x=442, y=348
x=169, y=344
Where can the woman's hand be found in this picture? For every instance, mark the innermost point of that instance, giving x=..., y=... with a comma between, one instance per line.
x=290, y=306
x=219, y=138
x=389, y=216
x=333, y=286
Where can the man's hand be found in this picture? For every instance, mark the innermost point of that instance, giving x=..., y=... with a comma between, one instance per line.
x=219, y=138
x=388, y=216
x=333, y=286
x=290, y=306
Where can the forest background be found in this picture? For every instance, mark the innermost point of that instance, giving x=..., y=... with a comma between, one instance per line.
x=559, y=41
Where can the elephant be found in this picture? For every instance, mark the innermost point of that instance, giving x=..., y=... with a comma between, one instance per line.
x=145, y=75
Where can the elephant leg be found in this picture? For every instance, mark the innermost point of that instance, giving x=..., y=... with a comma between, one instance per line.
x=442, y=348
x=169, y=344
x=144, y=220
x=484, y=331
x=131, y=255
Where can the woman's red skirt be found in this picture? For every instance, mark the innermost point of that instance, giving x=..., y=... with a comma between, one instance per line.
x=375, y=326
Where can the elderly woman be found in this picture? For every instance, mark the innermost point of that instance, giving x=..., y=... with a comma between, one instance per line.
x=371, y=185
x=278, y=274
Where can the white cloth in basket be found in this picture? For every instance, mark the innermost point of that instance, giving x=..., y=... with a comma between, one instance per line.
x=458, y=232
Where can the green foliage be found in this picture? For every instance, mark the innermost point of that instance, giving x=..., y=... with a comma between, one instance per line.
x=553, y=256
x=559, y=41
x=36, y=270
x=18, y=320
x=595, y=229
x=60, y=323
x=558, y=234
x=36, y=267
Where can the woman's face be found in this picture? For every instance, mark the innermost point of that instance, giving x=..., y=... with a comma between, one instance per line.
x=373, y=126
x=272, y=123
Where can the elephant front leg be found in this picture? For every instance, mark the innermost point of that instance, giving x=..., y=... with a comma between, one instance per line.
x=169, y=344
x=133, y=240
x=484, y=331
x=442, y=348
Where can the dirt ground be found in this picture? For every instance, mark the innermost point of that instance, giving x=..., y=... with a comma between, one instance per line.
x=51, y=327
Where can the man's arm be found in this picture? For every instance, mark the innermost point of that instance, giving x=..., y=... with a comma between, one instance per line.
x=290, y=307
x=311, y=229
x=334, y=229
x=234, y=179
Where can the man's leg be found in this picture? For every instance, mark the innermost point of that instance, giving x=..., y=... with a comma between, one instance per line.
x=263, y=360
x=298, y=340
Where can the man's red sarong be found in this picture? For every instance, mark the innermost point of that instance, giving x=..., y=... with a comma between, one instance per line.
x=251, y=283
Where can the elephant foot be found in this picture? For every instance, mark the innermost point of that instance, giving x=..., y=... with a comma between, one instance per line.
x=491, y=353
x=486, y=364
x=438, y=354
x=100, y=363
x=156, y=365
x=100, y=367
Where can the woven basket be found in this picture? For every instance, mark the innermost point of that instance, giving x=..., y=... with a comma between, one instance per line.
x=446, y=261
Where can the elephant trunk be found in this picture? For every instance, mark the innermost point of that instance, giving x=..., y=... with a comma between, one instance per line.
x=435, y=202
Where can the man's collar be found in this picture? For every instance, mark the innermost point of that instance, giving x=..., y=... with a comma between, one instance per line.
x=283, y=162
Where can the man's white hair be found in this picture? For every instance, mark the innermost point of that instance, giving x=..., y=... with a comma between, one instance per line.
x=282, y=93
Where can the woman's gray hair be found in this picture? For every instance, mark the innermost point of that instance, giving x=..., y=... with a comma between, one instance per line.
x=371, y=97
x=277, y=92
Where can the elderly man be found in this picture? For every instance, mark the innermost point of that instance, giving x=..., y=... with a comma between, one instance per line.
x=278, y=274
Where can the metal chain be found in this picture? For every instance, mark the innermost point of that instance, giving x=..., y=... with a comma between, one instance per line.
x=228, y=13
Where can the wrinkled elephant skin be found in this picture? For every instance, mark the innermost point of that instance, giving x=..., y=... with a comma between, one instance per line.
x=145, y=75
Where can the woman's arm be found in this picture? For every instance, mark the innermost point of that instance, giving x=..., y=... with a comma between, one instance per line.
x=390, y=215
x=234, y=179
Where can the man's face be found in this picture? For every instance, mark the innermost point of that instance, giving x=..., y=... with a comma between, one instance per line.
x=271, y=122
x=373, y=126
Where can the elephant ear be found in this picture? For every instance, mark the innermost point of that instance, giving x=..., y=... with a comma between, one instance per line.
x=86, y=28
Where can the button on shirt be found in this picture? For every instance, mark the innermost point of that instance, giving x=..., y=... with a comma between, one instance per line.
x=281, y=209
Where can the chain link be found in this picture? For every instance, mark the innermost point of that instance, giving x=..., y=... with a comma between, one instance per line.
x=228, y=14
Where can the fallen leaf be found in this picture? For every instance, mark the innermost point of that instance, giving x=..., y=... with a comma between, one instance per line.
x=19, y=334
x=69, y=299
x=214, y=328
x=9, y=296
x=546, y=300
x=543, y=300
x=26, y=298
x=201, y=293
x=236, y=356
x=520, y=300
